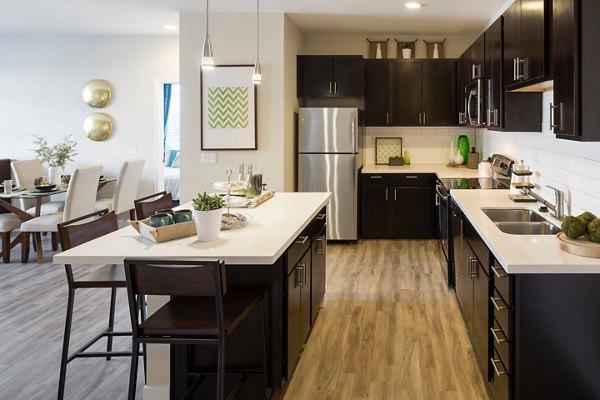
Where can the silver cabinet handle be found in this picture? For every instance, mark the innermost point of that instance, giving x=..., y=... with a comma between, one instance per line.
x=376, y=176
x=387, y=117
x=496, y=338
x=496, y=123
x=319, y=240
x=473, y=75
x=515, y=67
x=386, y=194
x=489, y=117
x=394, y=194
x=420, y=119
x=553, y=114
x=335, y=87
x=330, y=87
x=424, y=118
x=474, y=267
x=499, y=272
x=498, y=307
x=469, y=267
x=496, y=370
x=411, y=177
x=321, y=217
x=301, y=239
x=299, y=277
x=521, y=75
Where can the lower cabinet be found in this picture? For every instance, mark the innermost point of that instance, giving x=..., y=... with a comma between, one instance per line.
x=398, y=206
x=304, y=288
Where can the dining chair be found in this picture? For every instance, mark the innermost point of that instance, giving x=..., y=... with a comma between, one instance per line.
x=25, y=172
x=202, y=310
x=80, y=200
x=125, y=189
x=8, y=223
x=145, y=206
x=73, y=233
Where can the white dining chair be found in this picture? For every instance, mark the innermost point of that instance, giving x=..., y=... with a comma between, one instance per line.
x=25, y=172
x=8, y=223
x=125, y=189
x=80, y=200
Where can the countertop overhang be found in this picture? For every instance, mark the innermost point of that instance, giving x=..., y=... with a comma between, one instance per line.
x=520, y=254
x=275, y=225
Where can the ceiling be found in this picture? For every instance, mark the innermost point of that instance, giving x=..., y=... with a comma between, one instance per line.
x=128, y=17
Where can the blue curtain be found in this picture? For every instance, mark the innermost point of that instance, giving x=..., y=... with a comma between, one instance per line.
x=166, y=106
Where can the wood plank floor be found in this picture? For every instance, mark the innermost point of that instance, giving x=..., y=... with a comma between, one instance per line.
x=390, y=330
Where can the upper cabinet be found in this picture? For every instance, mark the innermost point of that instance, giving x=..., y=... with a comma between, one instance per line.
x=526, y=43
x=575, y=39
x=477, y=51
x=493, y=70
x=326, y=76
x=419, y=92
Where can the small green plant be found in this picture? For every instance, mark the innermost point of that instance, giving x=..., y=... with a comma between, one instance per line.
x=206, y=202
x=407, y=45
x=55, y=156
x=395, y=158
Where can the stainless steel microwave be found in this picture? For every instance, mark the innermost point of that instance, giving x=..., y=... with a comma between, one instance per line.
x=475, y=102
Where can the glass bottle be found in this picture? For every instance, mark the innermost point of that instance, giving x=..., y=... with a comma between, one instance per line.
x=250, y=189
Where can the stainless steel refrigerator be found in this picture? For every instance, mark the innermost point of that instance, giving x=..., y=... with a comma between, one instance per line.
x=329, y=159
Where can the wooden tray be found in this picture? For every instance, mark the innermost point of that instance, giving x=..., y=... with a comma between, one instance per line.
x=580, y=247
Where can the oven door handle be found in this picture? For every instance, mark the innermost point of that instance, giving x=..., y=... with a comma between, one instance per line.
x=440, y=192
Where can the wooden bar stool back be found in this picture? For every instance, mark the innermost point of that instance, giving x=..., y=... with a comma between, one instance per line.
x=145, y=206
x=202, y=311
x=73, y=233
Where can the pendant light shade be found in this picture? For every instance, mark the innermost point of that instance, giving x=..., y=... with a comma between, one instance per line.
x=257, y=73
x=208, y=59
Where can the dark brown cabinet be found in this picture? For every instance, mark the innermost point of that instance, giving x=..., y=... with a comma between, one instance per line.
x=493, y=69
x=411, y=92
x=298, y=310
x=318, y=258
x=378, y=92
x=526, y=43
x=472, y=291
x=463, y=78
x=478, y=54
x=397, y=206
x=575, y=38
x=325, y=76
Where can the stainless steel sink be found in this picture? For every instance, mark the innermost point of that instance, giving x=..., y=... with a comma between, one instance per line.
x=512, y=215
x=528, y=228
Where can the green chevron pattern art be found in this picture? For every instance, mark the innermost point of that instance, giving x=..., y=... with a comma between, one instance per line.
x=228, y=107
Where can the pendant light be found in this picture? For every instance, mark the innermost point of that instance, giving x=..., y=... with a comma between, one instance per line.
x=256, y=74
x=208, y=60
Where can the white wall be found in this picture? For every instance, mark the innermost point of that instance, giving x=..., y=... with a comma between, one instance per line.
x=571, y=166
x=357, y=44
x=233, y=37
x=42, y=78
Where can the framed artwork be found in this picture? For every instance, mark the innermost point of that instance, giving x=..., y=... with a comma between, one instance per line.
x=386, y=147
x=228, y=101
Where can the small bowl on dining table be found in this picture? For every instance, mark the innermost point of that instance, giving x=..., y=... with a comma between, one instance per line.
x=44, y=188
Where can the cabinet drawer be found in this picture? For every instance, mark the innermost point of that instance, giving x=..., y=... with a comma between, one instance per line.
x=502, y=344
x=501, y=282
x=501, y=379
x=502, y=313
x=413, y=180
x=317, y=224
x=477, y=244
x=375, y=180
x=297, y=250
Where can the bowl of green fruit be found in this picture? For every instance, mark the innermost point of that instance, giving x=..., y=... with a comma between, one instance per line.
x=580, y=235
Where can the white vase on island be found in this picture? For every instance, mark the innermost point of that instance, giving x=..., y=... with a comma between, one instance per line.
x=54, y=174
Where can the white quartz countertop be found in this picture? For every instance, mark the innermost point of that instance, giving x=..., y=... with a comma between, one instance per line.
x=275, y=224
x=519, y=253
x=441, y=170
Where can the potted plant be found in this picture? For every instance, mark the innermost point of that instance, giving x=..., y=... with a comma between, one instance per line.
x=208, y=210
x=406, y=50
x=396, y=161
x=56, y=156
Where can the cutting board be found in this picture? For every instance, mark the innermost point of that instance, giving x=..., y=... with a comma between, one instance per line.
x=580, y=247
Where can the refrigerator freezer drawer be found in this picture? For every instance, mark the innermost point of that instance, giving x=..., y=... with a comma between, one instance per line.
x=335, y=173
x=328, y=130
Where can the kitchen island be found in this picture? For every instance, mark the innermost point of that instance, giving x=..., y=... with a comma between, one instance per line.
x=263, y=253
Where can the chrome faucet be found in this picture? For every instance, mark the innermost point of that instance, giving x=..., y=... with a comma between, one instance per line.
x=558, y=208
x=559, y=203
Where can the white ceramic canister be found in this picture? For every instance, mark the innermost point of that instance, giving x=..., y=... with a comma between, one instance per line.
x=484, y=169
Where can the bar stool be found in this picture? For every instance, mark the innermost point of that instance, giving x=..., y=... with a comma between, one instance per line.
x=202, y=311
x=145, y=207
x=73, y=233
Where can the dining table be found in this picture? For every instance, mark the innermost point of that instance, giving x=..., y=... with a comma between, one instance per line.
x=31, y=193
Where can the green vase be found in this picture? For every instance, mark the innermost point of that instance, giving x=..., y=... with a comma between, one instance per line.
x=463, y=147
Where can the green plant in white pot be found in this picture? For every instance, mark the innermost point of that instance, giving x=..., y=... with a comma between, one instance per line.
x=57, y=156
x=208, y=210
